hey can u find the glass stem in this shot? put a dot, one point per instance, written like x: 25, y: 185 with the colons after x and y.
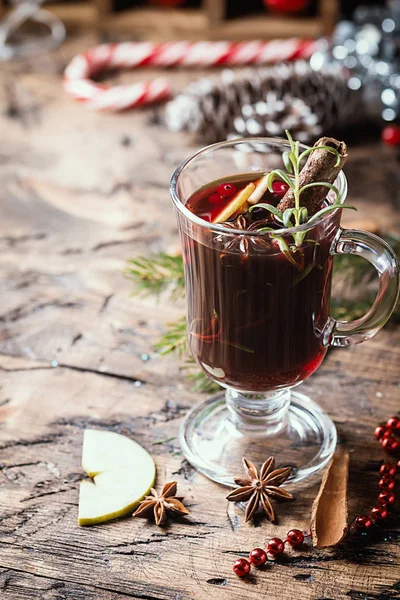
x: 263, y: 414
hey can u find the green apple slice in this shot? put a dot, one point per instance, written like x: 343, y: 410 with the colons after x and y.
x: 123, y: 473
x: 112, y: 494
x: 106, y: 450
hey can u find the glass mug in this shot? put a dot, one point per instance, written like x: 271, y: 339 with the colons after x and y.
x: 258, y: 318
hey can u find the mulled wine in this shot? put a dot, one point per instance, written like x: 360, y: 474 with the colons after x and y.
x: 258, y: 303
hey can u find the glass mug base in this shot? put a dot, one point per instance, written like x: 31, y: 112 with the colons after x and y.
x: 214, y: 438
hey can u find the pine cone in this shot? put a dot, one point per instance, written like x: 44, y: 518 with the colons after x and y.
x: 209, y: 107
x: 272, y: 116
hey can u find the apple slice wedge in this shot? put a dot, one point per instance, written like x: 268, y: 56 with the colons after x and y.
x: 235, y: 204
x: 123, y: 473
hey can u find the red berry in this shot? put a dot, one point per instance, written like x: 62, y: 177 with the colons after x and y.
x: 390, y: 444
x: 295, y: 537
x: 258, y: 557
x: 286, y: 6
x: 241, y: 567
x: 215, y: 199
x: 386, y: 484
x: 380, y: 432
x: 378, y: 513
x: 391, y: 135
x: 386, y: 498
x: 388, y: 470
x: 394, y: 424
x: 364, y: 522
x: 280, y: 188
x: 275, y: 546
x: 226, y: 190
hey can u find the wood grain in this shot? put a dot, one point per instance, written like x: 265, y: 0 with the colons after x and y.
x: 80, y: 193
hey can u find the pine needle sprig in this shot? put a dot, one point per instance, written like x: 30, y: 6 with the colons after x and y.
x: 157, y: 273
x: 174, y: 339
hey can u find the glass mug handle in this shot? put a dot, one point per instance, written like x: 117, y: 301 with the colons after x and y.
x: 383, y: 258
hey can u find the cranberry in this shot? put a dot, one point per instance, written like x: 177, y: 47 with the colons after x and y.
x: 226, y: 190
x: 260, y: 214
x: 206, y: 218
x: 275, y: 546
x: 241, y: 567
x: 295, y: 537
x: 386, y: 498
x: 280, y: 188
x: 390, y: 444
x: 391, y: 135
x: 380, y: 432
x: 364, y: 522
x: 394, y: 424
x: 386, y: 484
x: 258, y: 557
x: 378, y: 513
x: 215, y: 199
x: 388, y: 470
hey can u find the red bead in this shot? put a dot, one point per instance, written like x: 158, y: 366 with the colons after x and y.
x: 364, y: 522
x: 280, y: 188
x: 241, y: 567
x: 226, y: 190
x: 398, y: 465
x: 388, y: 470
x: 386, y: 498
x: 295, y: 537
x: 394, y: 424
x: 390, y: 444
x: 380, y: 432
x: 378, y: 513
x: 275, y: 546
x: 286, y: 6
x: 215, y: 199
x: 391, y: 135
x: 258, y: 557
x: 386, y: 484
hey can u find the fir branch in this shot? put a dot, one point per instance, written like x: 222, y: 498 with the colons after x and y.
x: 174, y: 339
x: 157, y: 273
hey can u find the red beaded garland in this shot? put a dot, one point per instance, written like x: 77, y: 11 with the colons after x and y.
x: 258, y: 557
x: 380, y: 432
x: 386, y: 484
x: 379, y: 512
x: 241, y: 567
x: 364, y: 522
x: 275, y: 546
x: 390, y: 444
x: 391, y: 135
x: 295, y: 537
x: 388, y: 470
x: 393, y: 423
x: 385, y: 498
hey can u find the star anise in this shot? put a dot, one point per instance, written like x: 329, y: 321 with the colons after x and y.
x: 243, y: 243
x: 257, y: 488
x: 158, y: 505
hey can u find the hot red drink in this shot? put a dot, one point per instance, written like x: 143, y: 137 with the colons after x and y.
x: 258, y: 304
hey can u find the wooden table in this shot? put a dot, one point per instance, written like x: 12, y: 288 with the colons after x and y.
x: 80, y: 193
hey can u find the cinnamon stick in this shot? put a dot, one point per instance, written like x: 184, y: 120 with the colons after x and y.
x: 329, y: 511
x: 320, y: 166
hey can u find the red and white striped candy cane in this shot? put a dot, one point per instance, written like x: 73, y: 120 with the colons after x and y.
x: 78, y: 75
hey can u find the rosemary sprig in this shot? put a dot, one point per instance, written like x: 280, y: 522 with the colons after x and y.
x: 157, y: 273
x: 298, y: 215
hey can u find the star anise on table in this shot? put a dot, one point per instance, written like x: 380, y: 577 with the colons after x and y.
x: 242, y: 244
x: 159, y: 505
x: 257, y: 488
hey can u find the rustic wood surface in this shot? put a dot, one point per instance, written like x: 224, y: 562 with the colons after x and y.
x: 80, y: 193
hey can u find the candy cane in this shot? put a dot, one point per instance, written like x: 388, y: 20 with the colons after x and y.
x: 78, y: 75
